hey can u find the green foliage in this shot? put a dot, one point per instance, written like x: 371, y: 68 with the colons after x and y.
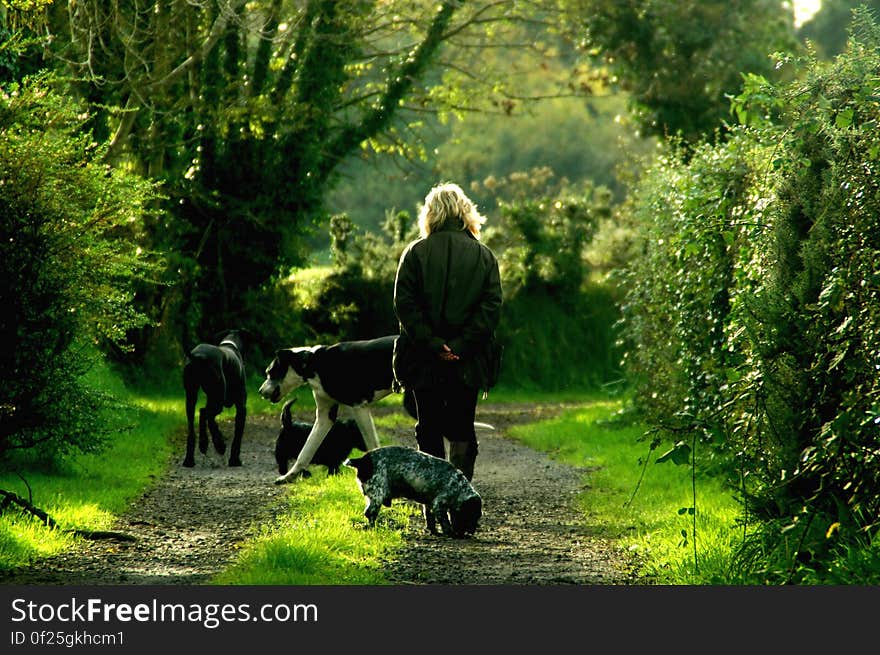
x: 753, y: 314
x: 68, y: 262
x: 677, y: 300
x: 557, y: 321
x: 543, y: 229
x: 680, y: 61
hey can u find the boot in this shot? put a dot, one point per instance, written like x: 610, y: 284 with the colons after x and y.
x: 462, y: 455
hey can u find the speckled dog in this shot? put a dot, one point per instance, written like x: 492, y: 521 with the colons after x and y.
x: 400, y: 472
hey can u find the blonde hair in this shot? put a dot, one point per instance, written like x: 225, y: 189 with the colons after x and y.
x: 448, y: 202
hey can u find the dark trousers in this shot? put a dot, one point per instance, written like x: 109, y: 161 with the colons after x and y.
x: 446, y: 411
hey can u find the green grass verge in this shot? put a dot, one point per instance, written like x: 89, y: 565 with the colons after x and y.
x: 644, y: 505
x: 88, y: 491
x: 322, y: 539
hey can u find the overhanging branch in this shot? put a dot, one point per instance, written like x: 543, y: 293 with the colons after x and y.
x: 399, y: 83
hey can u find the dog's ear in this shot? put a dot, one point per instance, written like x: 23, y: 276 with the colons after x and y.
x: 284, y: 357
x: 303, y: 361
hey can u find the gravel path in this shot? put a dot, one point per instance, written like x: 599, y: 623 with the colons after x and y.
x: 189, y: 524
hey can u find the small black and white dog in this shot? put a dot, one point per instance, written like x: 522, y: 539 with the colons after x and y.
x: 342, y: 438
x: 218, y: 370
x: 401, y: 472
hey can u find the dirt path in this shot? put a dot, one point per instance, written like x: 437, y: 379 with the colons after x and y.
x: 187, y: 527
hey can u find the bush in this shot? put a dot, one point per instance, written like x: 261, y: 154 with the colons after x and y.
x: 68, y: 258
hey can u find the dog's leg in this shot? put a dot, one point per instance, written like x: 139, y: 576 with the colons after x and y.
x: 192, y: 394
x: 372, y: 510
x: 235, y: 449
x: 364, y: 420
x: 323, y: 423
x: 203, y: 431
x: 440, y: 510
x: 212, y: 411
x: 430, y: 519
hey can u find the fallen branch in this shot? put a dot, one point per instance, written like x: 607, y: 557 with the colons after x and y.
x: 10, y: 498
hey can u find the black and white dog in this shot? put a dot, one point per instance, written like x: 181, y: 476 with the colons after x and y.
x: 342, y: 438
x: 400, y: 472
x: 218, y: 370
x: 352, y: 374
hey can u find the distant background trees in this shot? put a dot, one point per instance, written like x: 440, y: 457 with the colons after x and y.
x: 681, y: 61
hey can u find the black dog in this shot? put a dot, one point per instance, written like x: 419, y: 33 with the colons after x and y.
x: 343, y: 437
x: 400, y: 472
x: 218, y: 370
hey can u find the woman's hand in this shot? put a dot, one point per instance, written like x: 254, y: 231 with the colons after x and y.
x: 447, y: 355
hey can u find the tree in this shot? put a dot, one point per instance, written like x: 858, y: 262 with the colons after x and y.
x: 246, y: 111
x: 681, y: 61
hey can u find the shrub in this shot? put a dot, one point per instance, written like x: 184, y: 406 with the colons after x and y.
x: 68, y: 258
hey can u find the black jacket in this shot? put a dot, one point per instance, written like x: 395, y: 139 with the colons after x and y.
x: 447, y: 291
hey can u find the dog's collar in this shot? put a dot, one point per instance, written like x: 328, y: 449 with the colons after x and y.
x: 229, y: 343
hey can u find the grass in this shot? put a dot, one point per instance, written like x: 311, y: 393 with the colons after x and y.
x: 322, y: 540
x: 89, y: 491
x: 647, y: 511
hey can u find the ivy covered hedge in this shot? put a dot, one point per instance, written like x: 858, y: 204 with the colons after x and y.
x: 752, y: 314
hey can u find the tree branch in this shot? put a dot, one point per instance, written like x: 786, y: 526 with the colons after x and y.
x: 399, y: 83
x: 10, y: 498
x: 217, y: 31
x: 139, y: 94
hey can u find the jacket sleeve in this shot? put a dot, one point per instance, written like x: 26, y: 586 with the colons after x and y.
x: 409, y: 303
x: 480, y: 328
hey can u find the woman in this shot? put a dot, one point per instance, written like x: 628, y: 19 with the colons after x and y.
x: 447, y: 299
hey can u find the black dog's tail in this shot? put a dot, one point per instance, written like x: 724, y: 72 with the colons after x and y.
x: 286, y: 420
x: 363, y: 465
